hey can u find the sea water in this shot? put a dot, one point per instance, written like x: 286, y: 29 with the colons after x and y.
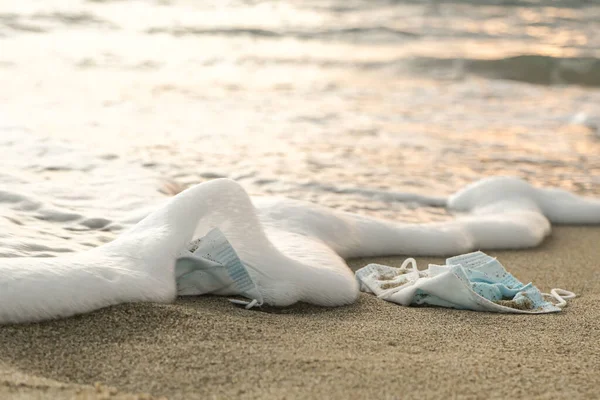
x: 375, y: 107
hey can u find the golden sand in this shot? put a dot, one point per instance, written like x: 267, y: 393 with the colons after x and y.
x: 201, y: 348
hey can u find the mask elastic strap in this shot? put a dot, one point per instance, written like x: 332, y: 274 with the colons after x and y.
x: 561, y: 296
x: 413, y: 262
x: 247, y: 305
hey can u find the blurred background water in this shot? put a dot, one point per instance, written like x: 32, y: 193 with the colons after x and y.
x: 344, y: 103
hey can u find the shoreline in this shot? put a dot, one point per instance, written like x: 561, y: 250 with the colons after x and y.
x: 202, y: 347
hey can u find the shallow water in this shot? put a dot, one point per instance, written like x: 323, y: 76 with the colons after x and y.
x: 103, y: 102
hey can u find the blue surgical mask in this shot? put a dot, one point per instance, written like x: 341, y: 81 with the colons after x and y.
x: 210, y: 265
x: 473, y: 281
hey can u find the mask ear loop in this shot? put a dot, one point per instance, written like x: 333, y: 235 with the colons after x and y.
x: 415, y: 270
x: 247, y: 305
x: 409, y: 261
x: 561, y: 296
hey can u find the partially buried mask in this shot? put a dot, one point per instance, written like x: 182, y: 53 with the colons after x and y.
x: 210, y: 265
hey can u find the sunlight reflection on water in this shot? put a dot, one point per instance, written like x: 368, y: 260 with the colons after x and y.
x: 310, y: 100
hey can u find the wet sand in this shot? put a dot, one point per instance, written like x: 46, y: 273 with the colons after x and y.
x: 206, y: 348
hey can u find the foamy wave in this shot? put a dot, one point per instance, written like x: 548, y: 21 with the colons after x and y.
x: 367, y: 33
x: 292, y: 250
x: 530, y: 68
x: 82, y: 197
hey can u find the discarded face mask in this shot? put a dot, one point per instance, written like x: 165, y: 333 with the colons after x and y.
x: 473, y: 281
x: 210, y: 265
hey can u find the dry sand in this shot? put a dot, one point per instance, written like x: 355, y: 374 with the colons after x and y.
x: 207, y: 348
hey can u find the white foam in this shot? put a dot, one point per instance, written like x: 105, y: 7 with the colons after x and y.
x: 294, y: 250
x: 509, y: 213
x: 383, y: 195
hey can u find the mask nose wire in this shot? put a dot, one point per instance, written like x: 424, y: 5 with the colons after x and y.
x: 561, y: 296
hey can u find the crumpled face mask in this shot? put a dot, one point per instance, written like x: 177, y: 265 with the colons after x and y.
x: 211, y: 265
x: 473, y: 281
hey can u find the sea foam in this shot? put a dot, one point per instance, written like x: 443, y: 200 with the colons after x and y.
x: 294, y: 250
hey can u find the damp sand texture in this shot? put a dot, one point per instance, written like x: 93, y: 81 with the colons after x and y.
x: 205, y: 347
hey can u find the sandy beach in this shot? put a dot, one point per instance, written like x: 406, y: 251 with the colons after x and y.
x: 206, y: 348
x: 369, y: 107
